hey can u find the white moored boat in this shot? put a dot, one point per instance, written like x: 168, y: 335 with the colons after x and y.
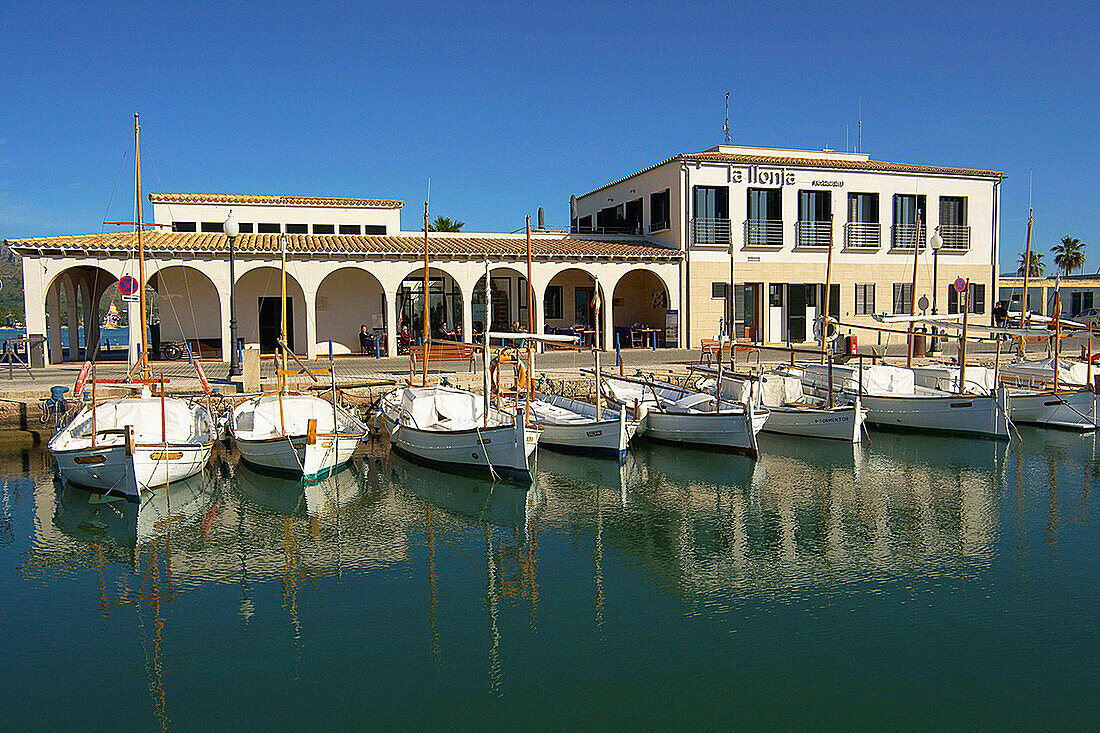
x: 793, y: 412
x: 673, y: 414
x: 893, y: 399
x: 129, y: 444
x: 571, y: 426
x: 295, y: 433
x: 450, y: 428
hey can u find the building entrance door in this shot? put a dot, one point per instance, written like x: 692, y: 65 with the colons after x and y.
x: 796, y: 312
x: 270, y: 326
x: 747, y: 322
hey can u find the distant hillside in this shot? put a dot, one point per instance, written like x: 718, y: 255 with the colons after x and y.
x: 11, y: 292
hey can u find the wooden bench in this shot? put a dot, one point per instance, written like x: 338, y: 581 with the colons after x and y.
x: 443, y: 351
x: 710, y: 349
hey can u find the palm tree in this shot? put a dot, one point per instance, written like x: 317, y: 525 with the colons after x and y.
x: 1069, y: 255
x: 1037, y: 266
x: 445, y: 224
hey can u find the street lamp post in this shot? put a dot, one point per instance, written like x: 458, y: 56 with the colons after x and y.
x: 935, y: 244
x: 232, y: 229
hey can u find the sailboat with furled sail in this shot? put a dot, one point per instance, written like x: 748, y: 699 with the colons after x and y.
x: 127, y: 445
x: 295, y: 433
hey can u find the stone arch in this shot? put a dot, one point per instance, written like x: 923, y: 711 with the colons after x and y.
x: 254, y: 289
x: 640, y: 301
x: 74, y: 296
x: 511, y: 299
x: 445, y: 303
x: 188, y: 307
x: 347, y: 298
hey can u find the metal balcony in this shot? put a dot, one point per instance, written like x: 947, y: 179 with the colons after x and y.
x: 813, y: 233
x: 763, y: 233
x: 659, y: 226
x: 906, y: 235
x: 955, y: 237
x: 711, y: 231
x: 862, y: 235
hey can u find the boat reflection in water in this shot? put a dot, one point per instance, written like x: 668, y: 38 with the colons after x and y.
x: 292, y: 496
x: 511, y: 559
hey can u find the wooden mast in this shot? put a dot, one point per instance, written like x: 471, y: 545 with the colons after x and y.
x: 427, y: 327
x: 530, y: 321
x: 144, y: 358
x: 825, y: 304
x: 1058, y: 335
x: 1025, y: 316
x: 913, y: 291
x: 281, y: 381
x: 965, y: 300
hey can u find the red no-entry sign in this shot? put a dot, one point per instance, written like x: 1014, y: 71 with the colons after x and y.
x: 128, y: 285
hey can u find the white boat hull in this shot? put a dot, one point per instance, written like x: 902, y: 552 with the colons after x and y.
x: 984, y: 415
x: 114, y: 469
x: 570, y: 426
x: 844, y: 422
x: 293, y: 454
x: 505, y: 450
x: 1070, y: 410
x: 723, y: 430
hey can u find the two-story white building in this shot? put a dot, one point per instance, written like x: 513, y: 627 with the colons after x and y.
x: 777, y: 214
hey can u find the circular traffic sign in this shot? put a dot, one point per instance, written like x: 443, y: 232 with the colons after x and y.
x: 960, y: 285
x: 128, y: 285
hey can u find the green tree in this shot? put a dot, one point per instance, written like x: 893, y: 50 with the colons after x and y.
x: 1069, y: 255
x: 446, y: 224
x: 1037, y: 266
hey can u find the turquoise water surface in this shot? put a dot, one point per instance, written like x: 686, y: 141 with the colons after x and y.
x: 914, y: 582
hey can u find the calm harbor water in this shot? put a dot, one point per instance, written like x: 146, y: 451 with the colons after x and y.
x: 914, y: 582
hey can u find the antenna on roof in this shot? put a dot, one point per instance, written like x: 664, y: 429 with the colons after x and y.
x: 428, y: 195
x: 726, y: 127
x: 859, y: 134
x: 847, y: 147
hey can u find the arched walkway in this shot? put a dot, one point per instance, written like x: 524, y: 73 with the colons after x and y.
x: 568, y: 305
x: 186, y: 307
x: 510, y: 295
x: 638, y: 309
x: 444, y: 305
x: 73, y: 304
x: 259, y: 310
x: 347, y: 299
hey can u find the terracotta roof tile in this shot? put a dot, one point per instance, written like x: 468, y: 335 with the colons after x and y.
x: 314, y: 244
x: 223, y: 198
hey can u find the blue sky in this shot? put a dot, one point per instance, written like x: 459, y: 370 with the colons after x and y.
x: 513, y: 106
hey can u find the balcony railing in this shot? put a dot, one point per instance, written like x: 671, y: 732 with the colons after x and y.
x: 862, y: 235
x: 906, y: 235
x: 763, y: 233
x: 635, y: 230
x: 659, y: 226
x: 711, y: 231
x: 955, y: 236
x: 813, y: 233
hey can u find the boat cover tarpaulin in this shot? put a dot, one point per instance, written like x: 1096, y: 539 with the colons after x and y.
x: 181, y: 419
x: 877, y: 379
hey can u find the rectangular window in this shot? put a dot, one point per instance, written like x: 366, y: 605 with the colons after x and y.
x: 374, y: 229
x: 764, y: 225
x: 584, y: 224
x: 607, y: 220
x: 246, y: 227
x: 909, y: 211
x: 324, y: 229
x: 718, y: 291
x: 552, y: 304
x: 267, y: 228
x: 351, y: 229
x: 953, y: 211
x: 213, y: 226
x: 183, y: 226
x: 865, y: 299
x: 977, y: 298
x: 633, y: 215
x: 660, y: 210
x: 903, y: 296
x: 712, y: 214
x: 863, y: 208
x: 1086, y: 300
x: 815, y: 218
x: 775, y: 295
x: 834, y: 299
x: 297, y: 229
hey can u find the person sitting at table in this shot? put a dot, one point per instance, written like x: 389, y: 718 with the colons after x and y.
x: 366, y: 341
x: 404, y: 340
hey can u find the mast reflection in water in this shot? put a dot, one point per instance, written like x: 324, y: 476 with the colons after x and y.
x: 679, y: 586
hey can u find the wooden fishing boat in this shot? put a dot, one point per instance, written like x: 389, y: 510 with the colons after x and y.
x: 673, y: 414
x: 573, y: 426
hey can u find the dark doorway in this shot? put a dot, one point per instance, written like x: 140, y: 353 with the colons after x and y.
x: 796, y: 312
x: 270, y: 326
x: 584, y: 308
